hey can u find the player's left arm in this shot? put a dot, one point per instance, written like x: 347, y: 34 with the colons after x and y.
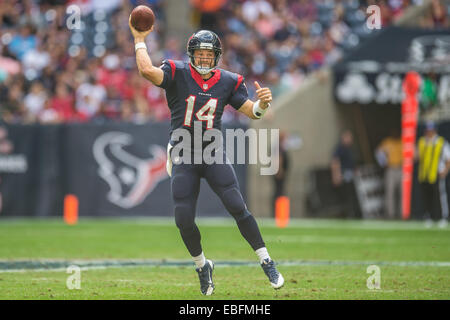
x: 255, y: 110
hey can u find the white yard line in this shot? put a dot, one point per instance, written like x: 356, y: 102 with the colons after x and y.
x: 228, y: 221
x: 61, y: 265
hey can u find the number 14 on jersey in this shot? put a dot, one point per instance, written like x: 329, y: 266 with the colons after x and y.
x: 205, y: 113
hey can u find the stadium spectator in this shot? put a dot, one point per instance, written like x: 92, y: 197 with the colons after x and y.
x: 156, y: 103
x: 332, y: 53
x: 89, y: 97
x: 127, y: 111
x: 111, y: 75
x: 48, y: 115
x: 101, y: 116
x: 63, y: 103
x: 304, y: 9
x: 23, y: 42
x: 34, y: 101
x: 390, y: 156
x: 207, y: 11
x: 35, y: 60
x: 12, y: 107
x: 8, y: 65
x: 253, y: 9
x: 172, y: 49
x: 48, y: 78
x: 113, y: 102
x: 266, y: 26
x: 132, y: 113
x: 343, y: 169
x: 339, y: 30
x: 439, y: 14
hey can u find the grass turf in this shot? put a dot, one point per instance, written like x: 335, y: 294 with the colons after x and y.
x: 318, y: 240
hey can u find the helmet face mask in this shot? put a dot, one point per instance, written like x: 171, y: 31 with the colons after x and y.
x: 207, y: 40
x: 204, y: 59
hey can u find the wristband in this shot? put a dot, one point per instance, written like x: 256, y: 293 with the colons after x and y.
x: 258, y: 112
x: 140, y: 45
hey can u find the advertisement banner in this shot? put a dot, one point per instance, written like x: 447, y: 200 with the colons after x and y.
x: 374, y: 72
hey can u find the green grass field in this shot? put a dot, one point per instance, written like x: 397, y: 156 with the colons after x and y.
x: 146, y: 259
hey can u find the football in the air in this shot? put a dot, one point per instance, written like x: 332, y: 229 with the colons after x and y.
x: 142, y: 18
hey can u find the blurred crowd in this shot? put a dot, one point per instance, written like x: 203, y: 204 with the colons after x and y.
x: 437, y: 16
x: 279, y: 42
x: 57, y: 68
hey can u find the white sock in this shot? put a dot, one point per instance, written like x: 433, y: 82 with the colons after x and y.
x: 262, y: 254
x: 199, y: 260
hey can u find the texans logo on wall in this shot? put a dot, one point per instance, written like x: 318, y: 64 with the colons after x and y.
x: 10, y: 163
x: 12, y: 166
x: 130, y: 178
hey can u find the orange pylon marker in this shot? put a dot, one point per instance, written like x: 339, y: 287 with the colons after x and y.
x: 282, y: 208
x: 70, y: 209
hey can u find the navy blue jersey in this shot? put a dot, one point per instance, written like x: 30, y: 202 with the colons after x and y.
x: 190, y: 98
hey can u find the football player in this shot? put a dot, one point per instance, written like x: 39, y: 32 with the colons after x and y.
x: 199, y: 91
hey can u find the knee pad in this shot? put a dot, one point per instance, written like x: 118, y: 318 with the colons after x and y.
x: 184, y: 217
x: 180, y: 187
x: 234, y: 203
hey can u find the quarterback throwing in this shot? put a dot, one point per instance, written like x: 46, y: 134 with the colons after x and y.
x: 197, y: 91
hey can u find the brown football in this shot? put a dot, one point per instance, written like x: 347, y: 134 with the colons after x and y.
x: 142, y: 18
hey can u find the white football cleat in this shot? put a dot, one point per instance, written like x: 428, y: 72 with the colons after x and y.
x: 205, y: 277
x: 275, y: 278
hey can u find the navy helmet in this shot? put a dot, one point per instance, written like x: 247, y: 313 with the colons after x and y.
x: 204, y: 39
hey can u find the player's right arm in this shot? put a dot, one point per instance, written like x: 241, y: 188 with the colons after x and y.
x: 154, y: 74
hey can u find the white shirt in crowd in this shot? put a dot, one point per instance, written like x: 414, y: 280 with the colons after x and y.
x: 48, y: 116
x: 252, y: 9
x: 89, y: 97
x: 34, y: 102
x: 35, y: 60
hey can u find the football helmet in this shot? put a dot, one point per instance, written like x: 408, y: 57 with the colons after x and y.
x: 204, y: 39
